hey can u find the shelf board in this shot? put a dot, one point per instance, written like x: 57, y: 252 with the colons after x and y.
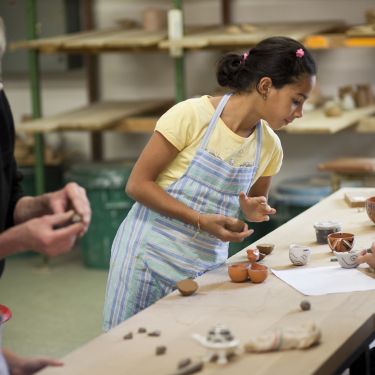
x: 95, y: 41
x: 96, y: 117
x: 366, y: 125
x: 247, y: 35
x: 316, y: 122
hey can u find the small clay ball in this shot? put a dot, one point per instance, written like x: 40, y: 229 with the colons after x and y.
x: 187, y: 287
x: 142, y: 330
x: 305, y: 305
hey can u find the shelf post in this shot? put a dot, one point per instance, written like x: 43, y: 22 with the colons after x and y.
x: 33, y: 61
x: 179, y: 64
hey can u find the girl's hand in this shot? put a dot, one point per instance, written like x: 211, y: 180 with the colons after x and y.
x: 225, y: 228
x: 255, y: 209
x: 366, y: 257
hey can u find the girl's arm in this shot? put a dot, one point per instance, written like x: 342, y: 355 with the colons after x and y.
x: 141, y: 186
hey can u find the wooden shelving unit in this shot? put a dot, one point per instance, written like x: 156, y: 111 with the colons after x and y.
x: 131, y: 117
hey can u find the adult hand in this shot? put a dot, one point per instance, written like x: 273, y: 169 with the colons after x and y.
x: 366, y: 257
x: 225, y: 228
x: 72, y: 196
x: 48, y: 235
x: 27, y: 366
x: 255, y: 209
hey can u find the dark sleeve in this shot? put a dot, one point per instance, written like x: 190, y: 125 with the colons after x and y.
x: 10, y: 173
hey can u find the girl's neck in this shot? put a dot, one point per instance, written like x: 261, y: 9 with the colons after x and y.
x: 239, y: 114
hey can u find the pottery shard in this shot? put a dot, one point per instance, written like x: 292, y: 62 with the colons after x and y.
x: 128, y: 336
x: 192, y: 368
x: 187, y: 287
x: 142, y: 330
x: 156, y: 333
x: 184, y: 362
x: 160, y: 350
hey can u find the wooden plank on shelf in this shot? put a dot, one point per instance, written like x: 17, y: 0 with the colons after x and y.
x: 96, y: 117
x: 317, y: 122
x: 119, y: 39
x: 248, y: 35
x: 139, y: 124
x: 116, y: 38
x: 357, y: 197
x: 366, y: 125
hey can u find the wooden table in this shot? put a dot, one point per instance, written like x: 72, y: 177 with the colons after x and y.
x: 347, y: 320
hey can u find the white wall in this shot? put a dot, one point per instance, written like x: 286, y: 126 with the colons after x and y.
x: 150, y: 75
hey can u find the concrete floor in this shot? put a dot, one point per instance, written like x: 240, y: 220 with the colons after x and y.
x: 56, y: 308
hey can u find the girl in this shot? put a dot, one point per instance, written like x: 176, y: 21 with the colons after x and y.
x: 209, y: 159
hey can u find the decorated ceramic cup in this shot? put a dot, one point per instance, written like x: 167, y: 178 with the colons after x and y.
x: 347, y: 259
x: 299, y: 255
x: 340, y: 241
x: 370, y: 208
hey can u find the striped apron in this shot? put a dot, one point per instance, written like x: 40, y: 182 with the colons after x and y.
x: 151, y: 252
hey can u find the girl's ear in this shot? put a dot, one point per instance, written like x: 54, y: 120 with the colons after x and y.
x: 263, y: 87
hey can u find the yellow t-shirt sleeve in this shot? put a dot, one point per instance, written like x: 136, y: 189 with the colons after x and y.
x: 177, y: 125
x: 276, y: 159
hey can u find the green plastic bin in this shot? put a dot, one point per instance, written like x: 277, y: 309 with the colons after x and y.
x: 105, y: 188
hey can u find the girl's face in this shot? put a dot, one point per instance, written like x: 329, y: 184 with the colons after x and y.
x: 283, y: 105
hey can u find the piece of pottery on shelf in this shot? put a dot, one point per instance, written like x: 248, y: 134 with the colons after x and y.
x: 347, y: 102
x: 347, y: 259
x: 324, y: 228
x: 265, y: 248
x: 154, y: 19
x: 370, y: 208
x: 299, y: 255
x: 340, y: 241
x: 187, y: 287
x: 363, y: 95
x: 252, y: 255
x: 220, y: 344
x: 257, y: 273
x: 238, y: 272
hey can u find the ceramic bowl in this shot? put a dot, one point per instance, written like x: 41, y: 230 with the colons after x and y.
x: 324, y: 228
x: 238, y: 272
x: 265, y: 248
x: 252, y: 255
x: 340, y: 241
x: 299, y: 255
x: 257, y: 273
x: 370, y: 208
x: 347, y: 259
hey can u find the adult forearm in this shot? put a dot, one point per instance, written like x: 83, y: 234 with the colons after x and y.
x: 31, y: 207
x: 153, y: 196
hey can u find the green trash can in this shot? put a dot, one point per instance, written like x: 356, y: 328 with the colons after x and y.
x: 105, y: 188
x: 293, y: 196
x: 53, y: 179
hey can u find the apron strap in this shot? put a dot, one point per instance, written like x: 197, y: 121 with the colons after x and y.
x: 259, y: 135
x: 215, y: 117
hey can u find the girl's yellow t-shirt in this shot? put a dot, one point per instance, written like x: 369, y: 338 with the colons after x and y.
x: 185, y: 124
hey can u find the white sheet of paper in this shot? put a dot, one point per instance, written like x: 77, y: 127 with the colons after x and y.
x: 325, y: 280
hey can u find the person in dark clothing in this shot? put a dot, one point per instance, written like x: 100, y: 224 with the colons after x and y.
x: 41, y: 223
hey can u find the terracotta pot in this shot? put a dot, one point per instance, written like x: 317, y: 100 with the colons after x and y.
x: 340, y: 241
x: 265, y: 248
x: 370, y: 208
x: 238, y: 272
x: 257, y: 273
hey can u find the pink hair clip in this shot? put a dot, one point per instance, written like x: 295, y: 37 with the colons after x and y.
x: 244, y: 57
x: 300, y: 53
